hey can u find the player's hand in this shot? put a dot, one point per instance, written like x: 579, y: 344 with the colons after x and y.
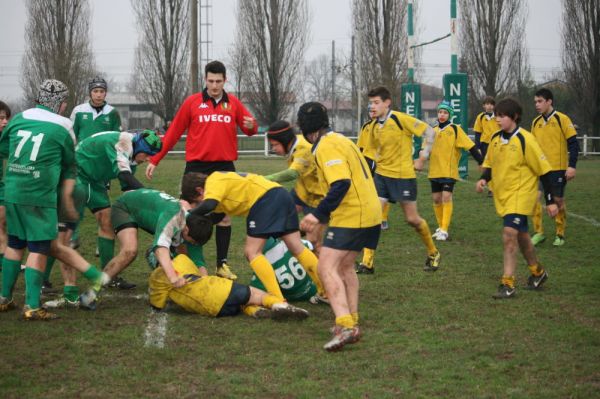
x: 178, y: 281
x: 419, y: 163
x: 308, y: 223
x: 150, y: 170
x: 552, y: 210
x: 480, y: 185
x: 248, y: 122
x: 570, y: 173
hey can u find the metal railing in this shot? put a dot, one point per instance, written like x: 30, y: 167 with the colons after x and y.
x: 259, y: 145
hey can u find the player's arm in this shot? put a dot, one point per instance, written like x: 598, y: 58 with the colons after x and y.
x: 245, y: 120
x: 164, y: 259
x: 573, y: 147
x: 428, y: 137
x: 283, y: 176
x: 124, y: 149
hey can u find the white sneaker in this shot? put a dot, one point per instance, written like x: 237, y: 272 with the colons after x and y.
x: 61, y: 302
x: 441, y: 235
x: 437, y: 231
x: 317, y: 299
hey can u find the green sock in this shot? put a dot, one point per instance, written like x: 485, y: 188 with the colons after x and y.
x: 49, y: 264
x: 71, y: 292
x: 106, y: 247
x: 33, y: 287
x: 92, y: 273
x: 75, y: 235
x: 10, y: 274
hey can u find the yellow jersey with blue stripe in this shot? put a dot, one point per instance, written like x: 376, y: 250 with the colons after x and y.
x: 446, y: 151
x: 365, y: 140
x: 552, y: 135
x: 236, y: 192
x: 516, y: 163
x: 487, y: 126
x: 338, y: 158
x: 302, y: 161
x: 204, y: 295
x: 393, y: 139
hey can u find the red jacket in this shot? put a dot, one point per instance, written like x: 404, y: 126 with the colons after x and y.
x: 212, y: 128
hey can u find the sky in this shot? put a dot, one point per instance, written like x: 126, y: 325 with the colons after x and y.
x: 114, y: 37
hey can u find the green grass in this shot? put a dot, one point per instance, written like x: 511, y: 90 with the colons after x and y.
x: 425, y: 335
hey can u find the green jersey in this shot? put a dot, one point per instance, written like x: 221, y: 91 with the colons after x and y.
x: 40, y: 146
x: 87, y: 120
x: 102, y: 156
x: 295, y: 283
x: 155, y: 212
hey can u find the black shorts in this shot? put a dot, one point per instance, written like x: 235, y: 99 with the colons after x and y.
x: 396, y: 190
x: 238, y: 296
x: 517, y: 222
x: 208, y: 167
x: 442, y: 184
x: 273, y: 215
x: 558, y: 181
x: 352, y: 239
x: 305, y: 208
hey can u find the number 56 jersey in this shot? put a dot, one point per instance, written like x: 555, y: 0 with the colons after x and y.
x: 40, y: 146
x: 295, y: 283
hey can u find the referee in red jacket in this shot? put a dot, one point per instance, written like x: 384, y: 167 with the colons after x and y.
x: 211, y: 119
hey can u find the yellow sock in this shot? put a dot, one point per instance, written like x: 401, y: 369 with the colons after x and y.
x: 538, y: 227
x: 536, y: 269
x: 439, y: 213
x: 368, y: 257
x: 269, y: 300
x: 385, y: 212
x: 265, y: 273
x: 249, y: 310
x: 509, y: 280
x: 345, y: 321
x: 448, y: 207
x: 309, y: 261
x: 354, y: 317
x: 425, y: 234
x: 561, y: 222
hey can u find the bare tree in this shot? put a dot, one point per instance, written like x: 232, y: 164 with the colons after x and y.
x: 58, y: 47
x: 581, y: 55
x: 274, y: 34
x: 381, y: 39
x: 492, y: 45
x: 161, y: 72
x: 238, y: 65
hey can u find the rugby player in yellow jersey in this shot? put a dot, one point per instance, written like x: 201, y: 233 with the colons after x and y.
x: 350, y: 209
x: 557, y: 136
x: 395, y: 178
x: 269, y: 210
x: 443, y: 166
x: 307, y: 192
x: 485, y: 126
x: 215, y: 296
x: 512, y: 166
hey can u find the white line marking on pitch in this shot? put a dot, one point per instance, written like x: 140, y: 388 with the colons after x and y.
x: 156, y: 330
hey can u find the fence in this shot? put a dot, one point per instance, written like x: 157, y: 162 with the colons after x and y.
x: 259, y: 145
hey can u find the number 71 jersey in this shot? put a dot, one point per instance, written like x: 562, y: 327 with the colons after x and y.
x: 40, y: 146
x: 295, y: 283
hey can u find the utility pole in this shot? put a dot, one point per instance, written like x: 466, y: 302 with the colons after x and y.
x: 411, y: 42
x: 194, y: 45
x: 333, y: 84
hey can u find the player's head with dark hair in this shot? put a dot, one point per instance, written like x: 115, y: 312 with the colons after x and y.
x: 4, y: 115
x: 200, y: 228
x: 312, y: 118
x: 488, y: 100
x: 381, y: 92
x: 190, y: 183
x: 546, y: 94
x: 283, y: 133
x: 510, y: 108
x: 215, y: 67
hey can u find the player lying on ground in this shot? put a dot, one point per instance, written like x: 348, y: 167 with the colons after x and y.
x: 161, y: 215
x: 215, y: 296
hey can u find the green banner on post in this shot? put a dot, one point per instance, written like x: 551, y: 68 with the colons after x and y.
x: 456, y: 89
x: 411, y: 105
